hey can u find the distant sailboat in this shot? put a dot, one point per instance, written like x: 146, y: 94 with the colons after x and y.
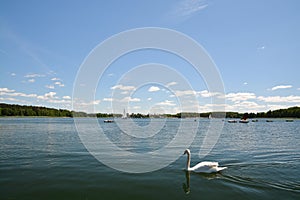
x: 124, y: 116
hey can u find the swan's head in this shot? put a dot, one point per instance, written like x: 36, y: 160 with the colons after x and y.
x: 187, y: 151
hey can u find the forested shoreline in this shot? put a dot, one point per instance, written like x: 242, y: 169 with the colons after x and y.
x: 10, y: 110
x: 27, y: 111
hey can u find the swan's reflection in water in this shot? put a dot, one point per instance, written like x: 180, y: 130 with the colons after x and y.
x: 186, y: 186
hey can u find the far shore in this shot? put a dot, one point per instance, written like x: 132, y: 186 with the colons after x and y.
x: 263, y: 118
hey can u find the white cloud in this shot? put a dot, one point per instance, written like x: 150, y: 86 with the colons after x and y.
x: 6, y: 90
x: 60, y: 84
x: 125, y: 92
x: 4, y: 99
x: 55, y: 79
x: 66, y: 97
x: 185, y: 92
x: 171, y: 83
x: 51, y: 72
x: 34, y: 75
x: 136, y: 107
x: 13, y: 74
x: 96, y: 102
x: 281, y: 87
x: 276, y: 107
x: 240, y: 96
x: 125, y: 99
x: 247, y: 106
x: 31, y: 80
x: 50, y: 86
x: 81, y: 104
x: 280, y: 99
x: 129, y: 99
x: 188, y: 7
x: 153, y: 89
x: 122, y: 87
x: 47, y: 96
x: 166, y: 103
x: 205, y: 93
x: 27, y: 95
x: 59, y: 101
x: 50, y: 94
x: 108, y: 99
x: 149, y: 99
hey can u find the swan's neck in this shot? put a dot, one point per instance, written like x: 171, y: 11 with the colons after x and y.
x: 188, y: 162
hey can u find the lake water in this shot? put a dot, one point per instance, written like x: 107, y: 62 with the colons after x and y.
x: 44, y: 158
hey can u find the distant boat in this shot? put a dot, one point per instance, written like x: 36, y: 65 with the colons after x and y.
x: 245, y: 121
x: 268, y: 120
x: 209, y: 117
x: 232, y: 121
x: 108, y: 121
x: 289, y: 120
x: 254, y: 120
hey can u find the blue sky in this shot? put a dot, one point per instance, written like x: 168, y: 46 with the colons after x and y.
x: 255, y: 45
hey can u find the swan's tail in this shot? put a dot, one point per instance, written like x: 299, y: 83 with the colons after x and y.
x: 220, y: 168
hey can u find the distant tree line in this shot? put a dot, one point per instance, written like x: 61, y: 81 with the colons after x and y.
x: 8, y: 110
x: 138, y: 115
x: 292, y: 112
x: 20, y: 110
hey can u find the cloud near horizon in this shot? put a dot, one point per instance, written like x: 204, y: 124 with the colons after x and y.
x: 153, y: 89
x: 280, y: 99
x: 166, y: 103
x: 238, y: 102
x: 122, y: 87
x: 281, y: 87
x: 30, y: 75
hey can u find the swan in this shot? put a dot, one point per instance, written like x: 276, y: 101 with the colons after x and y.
x: 202, y: 167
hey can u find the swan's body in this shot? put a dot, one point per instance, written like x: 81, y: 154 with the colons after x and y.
x: 202, y: 167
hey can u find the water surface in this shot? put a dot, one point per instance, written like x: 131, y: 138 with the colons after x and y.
x: 43, y: 158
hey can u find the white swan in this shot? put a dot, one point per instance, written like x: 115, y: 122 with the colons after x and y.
x: 202, y: 167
